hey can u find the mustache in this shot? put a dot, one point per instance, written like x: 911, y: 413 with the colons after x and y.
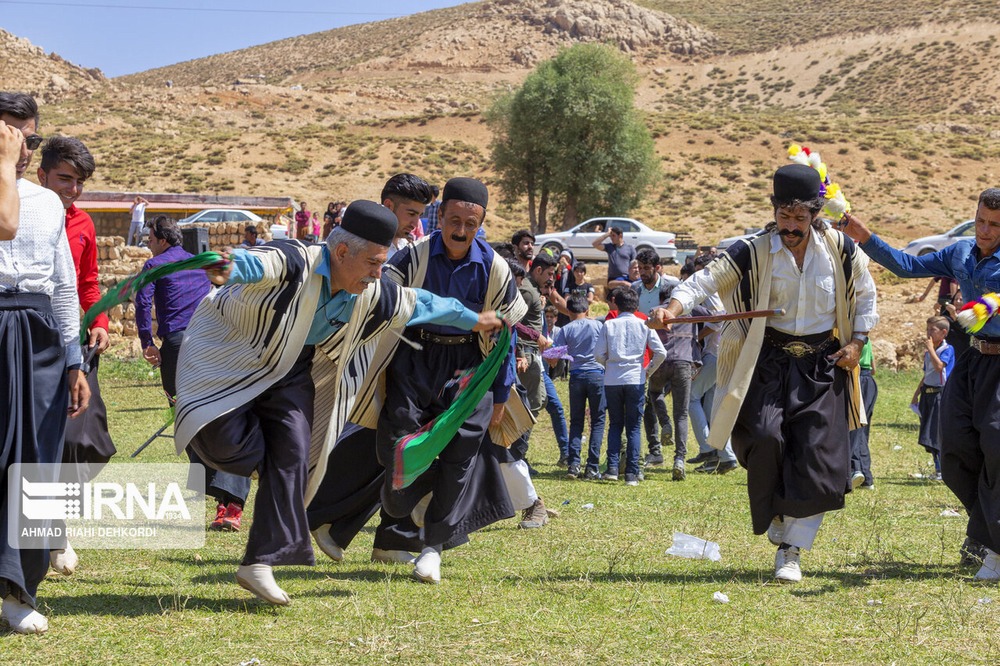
x: 791, y: 232
x: 368, y: 280
x: 459, y: 239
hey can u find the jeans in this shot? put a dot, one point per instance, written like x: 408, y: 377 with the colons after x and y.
x: 700, y: 406
x: 625, y: 405
x: 861, y: 460
x: 586, y: 388
x: 553, y: 406
x: 677, y: 376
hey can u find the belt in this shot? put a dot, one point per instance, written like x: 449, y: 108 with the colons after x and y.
x: 866, y: 371
x: 447, y: 340
x: 19, y: 300
x: 932, y: 389
x: 797, y: 346
x: 986, y: 347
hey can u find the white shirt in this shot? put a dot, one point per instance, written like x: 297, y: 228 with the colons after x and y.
x: 808, y: 297
x: 620, y: 347
x: 139, y: 212
x: 397, y: 244
x: 38, y: 261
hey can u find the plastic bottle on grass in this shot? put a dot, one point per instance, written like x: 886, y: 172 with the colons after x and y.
x: 694, y: 548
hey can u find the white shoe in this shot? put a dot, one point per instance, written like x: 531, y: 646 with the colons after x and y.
x: 776, y: 531
x: 22, y: 618
x: 420, y: 510
x: 857, y: 479
x: 259, y: 579
x: 991, y: 567
x: 428, y: 566
x: 326, y: 543
x: 786, y: 565
x: 393, y: 556
x: 64, y: 560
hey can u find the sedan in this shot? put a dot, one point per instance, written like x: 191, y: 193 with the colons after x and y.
x: 580, y: 239
x: 929, y: 244
x: 222, y: 215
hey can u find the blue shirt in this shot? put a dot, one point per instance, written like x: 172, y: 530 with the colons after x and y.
x: 335, y: 310
x: 946, y: 353
x: 175, y: 296
x: 959, y: 261
x: 580, y: 337
x: 464, y: 280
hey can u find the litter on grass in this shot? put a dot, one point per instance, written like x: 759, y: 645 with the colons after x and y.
x: 694, y: 548
x: 950, y: 513
x: 720, y: 598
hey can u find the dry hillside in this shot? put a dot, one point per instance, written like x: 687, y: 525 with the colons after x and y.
x: 24, y: 66
x: 898, y: 97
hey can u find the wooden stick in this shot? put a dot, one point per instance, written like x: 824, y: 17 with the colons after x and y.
x: 711, y: 319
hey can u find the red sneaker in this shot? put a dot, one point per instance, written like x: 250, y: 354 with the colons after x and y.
x: 233, y: 517
x: 220, y: 515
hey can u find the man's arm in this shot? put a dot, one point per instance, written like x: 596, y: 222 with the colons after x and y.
x: 10, y: 203
x: 445, y: 311
x: 901, y: 264
x: 143, y: 315
x: 599, y: 242
x: 90, y: 291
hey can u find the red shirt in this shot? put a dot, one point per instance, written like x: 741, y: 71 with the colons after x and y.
x: 83, y: 244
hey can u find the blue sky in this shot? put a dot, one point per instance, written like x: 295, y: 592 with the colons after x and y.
x: 127, y: 36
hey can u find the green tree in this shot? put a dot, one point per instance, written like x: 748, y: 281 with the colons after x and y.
x: 571, y: 138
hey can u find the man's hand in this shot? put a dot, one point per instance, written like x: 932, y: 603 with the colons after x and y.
x: 855, y: 229
x: 498, y: 413
x: 522, y: 364
x: 929, y: 344
x: 152, y: 356
x: 488, y: 321
x: 847, y: 357
x: 79, y: 393
x: 10, y: 145
x: 220, y: 276
x: 659, y: 318
x: 99, y: 338
x: 544, y: 343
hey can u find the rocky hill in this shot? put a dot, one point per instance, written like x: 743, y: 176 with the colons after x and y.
x: 26, y: 67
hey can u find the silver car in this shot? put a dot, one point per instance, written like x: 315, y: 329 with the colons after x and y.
x: 929, y: 244
x: 580, y: 239
x: 222, y: 215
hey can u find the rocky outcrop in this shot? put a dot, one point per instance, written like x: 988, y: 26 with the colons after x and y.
x: 47, y: 77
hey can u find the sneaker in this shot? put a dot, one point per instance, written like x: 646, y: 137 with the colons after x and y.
x: 776, y: 530
x: 679, y: 474
x: 703, y: 458
x: 653, y: 459
x: 937, y: 477
x: 563, y: 461
x: 972, y: 553
x: 709, y: 467
x: 610, y: 475
x: 534, y: 516
x: 786, y: 564
x: 233, y: 518
x: 867, y: 486
x: 857, y: 479
x: 427, y: 568
x: 631, y: 479
x: 991, y: 567
x: 726, y: 467
x: 640, y: 475
x: 393, y: 556
x: 592, y: 475
x: 220, y: 515
x: 573, y: 472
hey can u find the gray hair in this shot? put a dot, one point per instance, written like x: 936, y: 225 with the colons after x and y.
x: 355, y: 244
x: 990, y: 198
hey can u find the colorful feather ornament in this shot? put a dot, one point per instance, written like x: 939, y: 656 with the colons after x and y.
x: 974, y: 314
x: 836, y: 202
x: 415, y: 452
x: 126, y: 290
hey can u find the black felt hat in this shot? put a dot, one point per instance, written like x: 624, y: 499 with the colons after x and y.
x: 796, y: 182
x: 469, y: 190
x: 371, y: 221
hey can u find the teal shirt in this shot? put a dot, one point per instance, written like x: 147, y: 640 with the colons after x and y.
x: 335, y: 310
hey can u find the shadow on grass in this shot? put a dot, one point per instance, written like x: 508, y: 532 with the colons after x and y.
x: 141, y: 409
x: 829, y: 580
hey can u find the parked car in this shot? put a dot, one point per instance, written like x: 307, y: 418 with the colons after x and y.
x: 937, y: 242
x: 580, y: 239
x: 222, y: 215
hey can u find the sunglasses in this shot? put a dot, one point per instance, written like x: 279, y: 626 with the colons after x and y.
x: 33, y: 141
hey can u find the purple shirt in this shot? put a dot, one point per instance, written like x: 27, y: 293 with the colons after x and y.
x: 175, y: 297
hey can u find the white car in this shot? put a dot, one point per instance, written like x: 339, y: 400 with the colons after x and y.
x: 222, y: 215
x: 929, y: 244
x: 580, y: 239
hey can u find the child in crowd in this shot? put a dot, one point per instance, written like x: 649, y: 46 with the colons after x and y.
x: 861, y: 461
x: 939, y: 360
x: 620, y: 348
x: 586, y: 385
x: 551, y: 327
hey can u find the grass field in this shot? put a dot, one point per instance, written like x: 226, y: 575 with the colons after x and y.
x: 882, y: 585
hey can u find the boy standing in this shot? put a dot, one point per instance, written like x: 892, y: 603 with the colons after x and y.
x: 939, y: 361
x: 620, y: 348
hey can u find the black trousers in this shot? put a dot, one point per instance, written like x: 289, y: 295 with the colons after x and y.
x: 270, y: 435
x: 87, y: 438
x: 792, y: 435
x: 467, y: 486
x: 970, y: 446
x: 32, y: 423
